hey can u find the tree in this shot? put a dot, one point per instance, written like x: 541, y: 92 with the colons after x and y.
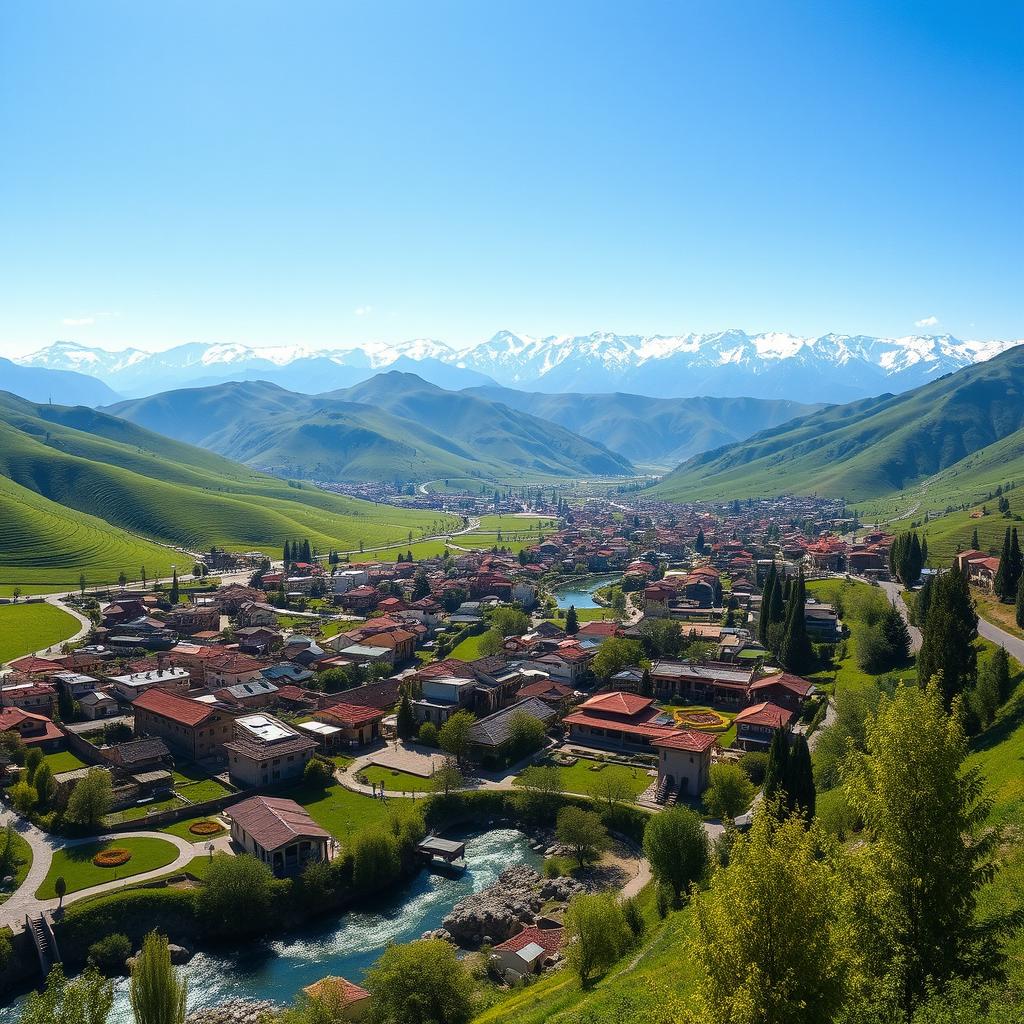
x: 795, y: 652
x: 698, y: 544
x: 776, y: 771
x: 619, y: 602
x: 405, y: 724
x: 44, y: 785
x: 799, y: 779
x: 287, y: 554
x: 929, y: 853
x: 614, y: 655
x: 236, y: 895
x: 646, y: 684
x: 318, y: 773
x: 540, y: 792
x: 157, y: 993
x: 33, y: 759
x: 13, y: 746
x: 767, y: 595
x: 897, y: 636
x: 572, y: 621
x: 769, y: 940
x: 85, y: 1000
x: 975, y: 543
x: 1003, y: 581
x: 122, y: 579
x: 81, y: 584
x: 676, y: 844
x: 526, y: 734
x: 947, y: 637
x: 583, y: 831
x: 510, y: 621
x: 375, y: 858
x: 8, y: 853
x: 420, y: 586
x: 91, y: 799
x: 453, y: 736
x: 596, y: 934
x: 1019, y: 611
x: 427, y: 734
x: 906, y: 559
x: 174, y: 593
x: 420, y: 982
x: 729, y: 792
x: 490, y: 643
x: 24, y: 798
x: 448, y: 777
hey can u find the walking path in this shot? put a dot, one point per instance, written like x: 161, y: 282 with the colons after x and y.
x: 23, y: 900
x: 894, y: 591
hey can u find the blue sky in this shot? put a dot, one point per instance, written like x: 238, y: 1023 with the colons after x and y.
x: 328, y: 173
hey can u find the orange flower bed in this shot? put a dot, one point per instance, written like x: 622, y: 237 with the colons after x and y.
x: 205, y: 828
x: 710, y: 720
x: 112, y: 858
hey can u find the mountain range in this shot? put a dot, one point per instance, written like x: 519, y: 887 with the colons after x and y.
x: 394, y: 426
x: 829, y: 368
x: 956, y: 430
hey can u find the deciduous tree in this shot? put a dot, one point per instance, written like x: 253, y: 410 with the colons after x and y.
x: 729, y: 791
x: 582, y: 831
x: 91, y: 799
x: 676, y: 844
x: 157, y: 992
x: 597, y: 934
x: 420, y: 983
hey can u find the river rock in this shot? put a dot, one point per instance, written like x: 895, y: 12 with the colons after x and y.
x: 498, y: 912
x: 179, y: 954
x: 234, y: 1011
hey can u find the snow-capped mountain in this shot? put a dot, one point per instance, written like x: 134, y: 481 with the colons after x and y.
x: 829, y: 368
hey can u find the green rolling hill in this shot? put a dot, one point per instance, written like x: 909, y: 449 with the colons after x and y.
x: 653, y: 432
x: 83, y: 491
x: 393, y: 427
x: 876, y: 447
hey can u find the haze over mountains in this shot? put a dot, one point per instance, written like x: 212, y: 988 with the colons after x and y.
x: 730, y: 363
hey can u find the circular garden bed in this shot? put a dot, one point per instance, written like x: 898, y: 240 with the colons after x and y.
x: 112, y: 858
x: 205, y: 828
x: 706, y: 719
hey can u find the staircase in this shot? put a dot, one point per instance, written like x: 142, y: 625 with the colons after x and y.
x: 671, y: 796
x: 44, y: 941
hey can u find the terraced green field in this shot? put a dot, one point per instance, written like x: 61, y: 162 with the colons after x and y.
x: 74, y: 484
x: 25, y: 628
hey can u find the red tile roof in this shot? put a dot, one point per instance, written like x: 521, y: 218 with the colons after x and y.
x: 351, y: 714
x: 339, y: 991
x: 549, y: 939
x: 634, y: 728
x: 767, y: 714
x: 31, y: 664
x: 687, y: 739
x: 617, y: 703
x: 11, y: 718
x: 796, y: 685
x: 166, y: 704
x: 274, y: 822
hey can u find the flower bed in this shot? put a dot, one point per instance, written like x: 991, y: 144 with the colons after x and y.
x: 112, y: 858
x: 205, y: 828
x: 707, y: 720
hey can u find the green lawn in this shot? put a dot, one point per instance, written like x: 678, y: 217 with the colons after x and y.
x: 580, y: 779
x: 63, y: 761
x: 339, y: 810
x: 469, y: 649
x: 181, y: 830
x: 999, y: 614
x: 23, y: 856
x: 78, y: 870
x: 25, y: 628
x: 584, y: 615
x: 399, y: 782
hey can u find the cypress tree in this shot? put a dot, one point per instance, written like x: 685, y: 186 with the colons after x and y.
x: 1020, y: 603
x: 406, y: 724
x: 1016, y: 564
x: 916, y: 560
x: 307, y: 551
x: 795, y: 653
x: 974, y: 540
x: 924, y: 599
x: 1004, y: 575
x: 646, y: 684
x: 777, y: 608
x: 174, y: 587
x: 776, y: 771
x: 896, y: 635
x: 947, y: 637
x: 287, y: 553
x: 572, y: 621
x: 799, y: 782
x: 766, y: 603
x: 924, y: 551
x: 698, y: 544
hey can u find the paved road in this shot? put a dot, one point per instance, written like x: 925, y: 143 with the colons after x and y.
x: 895, y: 593
x: 23, y: 900
x: 1014, y: 645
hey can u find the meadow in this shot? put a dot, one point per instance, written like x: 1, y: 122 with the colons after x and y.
x: 25, y: 628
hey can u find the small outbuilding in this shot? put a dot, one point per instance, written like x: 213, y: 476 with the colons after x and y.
x: 278, y: 832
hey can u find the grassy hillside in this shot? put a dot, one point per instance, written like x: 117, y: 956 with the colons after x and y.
x: 653, y: 432
x: 73, y: 481
x: 875, y: 447
x: 393, y: 427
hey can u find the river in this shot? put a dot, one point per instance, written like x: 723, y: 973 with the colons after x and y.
x: 345, y: 946
x: 580, y: 594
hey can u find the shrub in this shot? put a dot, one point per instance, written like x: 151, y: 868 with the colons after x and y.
x: 428, y: 734
x: 754, y: 764
x: 110, y: 953
x: 375, y: 859
x: 237, y: 896
x: 318, y: 773
x: 634, y: 917
x: 112, y: 858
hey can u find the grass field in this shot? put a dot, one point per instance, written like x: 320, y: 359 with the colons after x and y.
x: 581, y: 779
x: 1002, y: 615
x: 339, y: 810
x: 63, y: 761
x: 181, y: 830
x: 23, y: 856
x: 76, y: 866
x: 469, y: 649
x: 25, y: 628
x: 399, y: 782
x: 585, y: 615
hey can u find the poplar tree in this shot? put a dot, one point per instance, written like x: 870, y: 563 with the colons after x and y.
x: 174, y: 587
x: 764, y: 620
x: 1020, y: 603
x: 572, y: 622
x: 795, y: 653
x: 1003, y: 583
x: 406, y: 724
x: 287, y: 553
x: 157, y: 993
x: 974, y: 540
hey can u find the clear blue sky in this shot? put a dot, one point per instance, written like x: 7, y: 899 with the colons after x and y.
x: 325, y: 173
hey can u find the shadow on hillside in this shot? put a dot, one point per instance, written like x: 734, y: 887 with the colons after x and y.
x: 1011, y: 719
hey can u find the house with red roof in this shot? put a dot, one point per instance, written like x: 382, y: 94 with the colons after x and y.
x: 196, y: 728
x: 278, y: 832
x: 617, y: 719
x: 684, y: 762
x: 359, y: 723
x: 784, y: 690
x: 351, y: 1001
x: 34, y: 730
x: 528, y: 952
x: 758, y: 723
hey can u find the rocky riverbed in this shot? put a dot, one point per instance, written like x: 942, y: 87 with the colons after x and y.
x: 234, y: 1011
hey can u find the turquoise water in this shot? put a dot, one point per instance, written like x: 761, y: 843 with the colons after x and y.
x: 346, y: 946
x: 581, y: 594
